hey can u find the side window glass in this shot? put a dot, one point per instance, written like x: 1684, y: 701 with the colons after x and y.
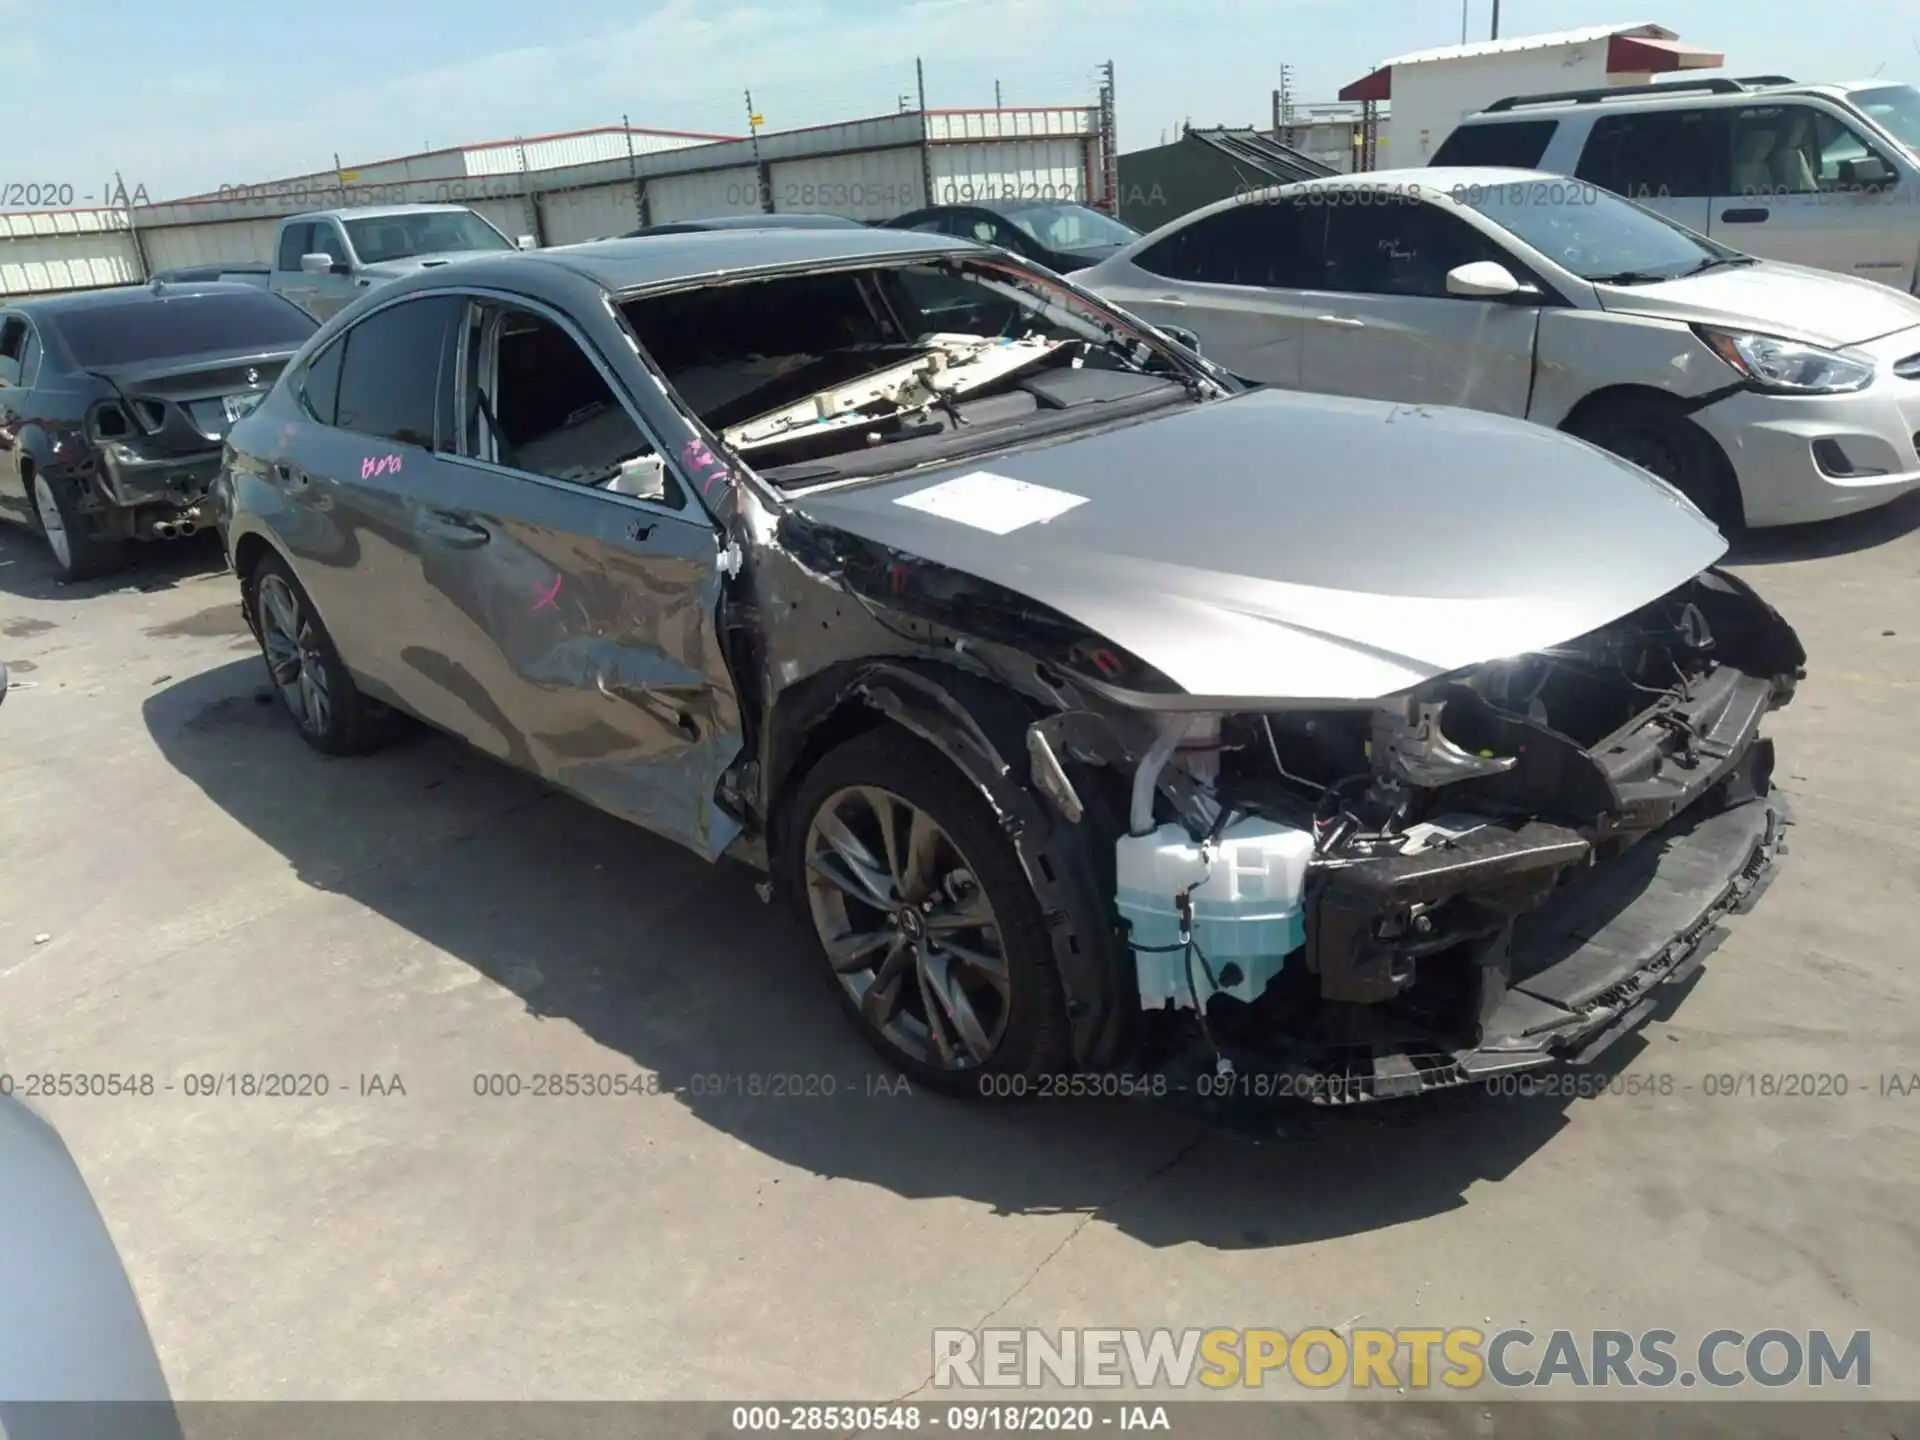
x: 1657, y: 154
x: 394, y: 366
x: 1399, y: 249
x: 1792, y: 150
x: 1518, y: 144
x: 13, y: 339
x: 326, y: 239
x: 1275, y: 244
x: 320, y: 385
x: 30, y: 358
x: 293, y: 244
x: 554, y: 414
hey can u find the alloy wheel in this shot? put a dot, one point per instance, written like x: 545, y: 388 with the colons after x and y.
x: 910, y: 933
x: 293, y: 656
x: 52, y: 524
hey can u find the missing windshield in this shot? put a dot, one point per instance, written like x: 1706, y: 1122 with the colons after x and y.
x: 805, y: 375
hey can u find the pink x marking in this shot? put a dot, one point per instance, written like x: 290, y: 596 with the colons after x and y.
x: 547, y: 596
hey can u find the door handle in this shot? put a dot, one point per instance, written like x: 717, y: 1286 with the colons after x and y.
x: 1169, y: 300
x: 1346, y: 322
x: 453, y: 530
x: 1751, y: 215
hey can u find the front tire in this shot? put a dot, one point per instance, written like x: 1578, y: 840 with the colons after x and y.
x: 922, y: 915
x: 1661, y: 439
x: 77, y: 552
x: 306, y: 670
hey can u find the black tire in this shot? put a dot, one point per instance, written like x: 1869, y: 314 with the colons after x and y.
x: 349, y: 723
x: 78, y: 553
x: 1032, y: 1038
x: 1661, y: 439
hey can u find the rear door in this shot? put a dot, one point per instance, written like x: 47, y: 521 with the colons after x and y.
x: 572, y: 583
x: 1793, y: 195
x: 1384, y: 326
x: 1672, y: 160
x: 376, y: 399
x: 1235, y: 277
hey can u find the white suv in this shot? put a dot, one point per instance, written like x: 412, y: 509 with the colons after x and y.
x: 1820, y: 175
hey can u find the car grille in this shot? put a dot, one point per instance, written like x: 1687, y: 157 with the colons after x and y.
x: 1908, y: 369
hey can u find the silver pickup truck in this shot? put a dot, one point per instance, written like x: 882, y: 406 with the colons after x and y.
x: 323, y: 259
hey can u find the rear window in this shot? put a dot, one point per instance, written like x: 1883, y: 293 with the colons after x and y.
x: 160, y: 327
x: 1516, y: 144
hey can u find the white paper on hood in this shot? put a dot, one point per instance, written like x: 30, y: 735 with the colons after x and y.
x: 998, y: 504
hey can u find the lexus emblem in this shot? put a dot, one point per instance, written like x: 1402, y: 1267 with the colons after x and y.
x: 253, y: 377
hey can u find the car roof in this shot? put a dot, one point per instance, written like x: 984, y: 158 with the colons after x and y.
x: 1678, y: 93
x: 377, y: 212
x: 118, y: 295
x: 802, y: 221
x: 633, y: 263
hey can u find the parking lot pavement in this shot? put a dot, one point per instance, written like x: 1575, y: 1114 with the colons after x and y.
x: 218, y: 901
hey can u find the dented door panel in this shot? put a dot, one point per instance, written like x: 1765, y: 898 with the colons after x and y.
x: 572, y: 632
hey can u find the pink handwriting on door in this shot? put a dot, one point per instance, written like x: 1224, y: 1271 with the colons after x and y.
x: 379, y: 465
x: 547, y: 597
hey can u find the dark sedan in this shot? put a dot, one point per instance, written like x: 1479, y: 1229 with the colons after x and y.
x: 1045, y: 669
x: 1058, y: 234
x: 114, y: 404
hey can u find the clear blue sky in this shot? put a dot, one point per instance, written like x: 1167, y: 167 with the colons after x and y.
x: 201, y: 93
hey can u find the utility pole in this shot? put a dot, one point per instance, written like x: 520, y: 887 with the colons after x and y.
x: 1463, y: 22
x: 763, y: 178
x: 133, y: 230
x: 996, y: 95
x: 1496, y: 21
x: 1283, y: 107
x: 1109, y: 145
x: 633, y: 175
x: 926, y: 140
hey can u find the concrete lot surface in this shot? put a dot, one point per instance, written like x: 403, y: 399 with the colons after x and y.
x: 217, y: 900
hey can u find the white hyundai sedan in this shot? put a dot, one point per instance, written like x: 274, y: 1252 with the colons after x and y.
x: 1768, y: 394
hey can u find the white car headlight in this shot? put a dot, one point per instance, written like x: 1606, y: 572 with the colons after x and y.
x: 1789, y: 366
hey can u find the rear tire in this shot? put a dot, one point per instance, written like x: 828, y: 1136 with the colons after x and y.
x: 944, y: 961
x: 1661, y: 439
x: 306, y: 670
x: 78, y: 554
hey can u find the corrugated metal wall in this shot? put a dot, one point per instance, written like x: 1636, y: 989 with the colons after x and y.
x: 870, y: 169
x: 866, y: 185
x: 233, y: 241
x: 66, y: 250
x: 594, y: 213
x: 734, y: 191
x: 1049, y: 169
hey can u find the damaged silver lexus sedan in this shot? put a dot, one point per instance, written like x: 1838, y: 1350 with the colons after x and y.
x: 1094, y: 710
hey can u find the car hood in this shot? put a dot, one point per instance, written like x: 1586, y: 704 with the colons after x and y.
x: 414, y: 264
x: 1774, y: 299
x: 1307, y: 547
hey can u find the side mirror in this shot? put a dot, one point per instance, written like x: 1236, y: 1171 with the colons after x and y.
x: 317, y: 263
x: 1185, y: 336
x: 1483, y: 280
x: 527, y: 242
x: 1868, y: 171
x: 644, y: 477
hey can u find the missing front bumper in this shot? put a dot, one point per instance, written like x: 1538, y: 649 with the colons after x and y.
x: 1570, y: 979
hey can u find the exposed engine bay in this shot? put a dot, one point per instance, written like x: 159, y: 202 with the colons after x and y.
x: 807, y: 376
x: 1493, y: 872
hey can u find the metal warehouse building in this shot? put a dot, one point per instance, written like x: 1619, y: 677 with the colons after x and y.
x: 585, y: 185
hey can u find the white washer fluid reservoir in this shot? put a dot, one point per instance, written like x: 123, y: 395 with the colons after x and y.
x: 1247, y: 906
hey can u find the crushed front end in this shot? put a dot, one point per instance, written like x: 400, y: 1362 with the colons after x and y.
x: 1502, y: 868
